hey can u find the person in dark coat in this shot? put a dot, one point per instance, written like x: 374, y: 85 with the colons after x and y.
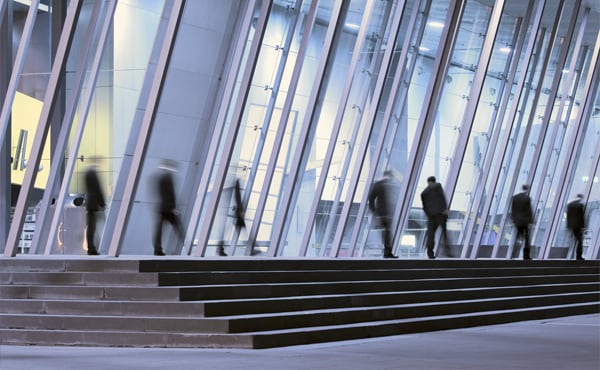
x: 576, y: 223
x: 522, y: 217
x: 167, y: 211
x: 435, y: 207
x: 94, y: 203
x: 240, y: 223
x: 382, y: 205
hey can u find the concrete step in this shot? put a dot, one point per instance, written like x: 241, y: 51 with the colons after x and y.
x: 45, y: 337
x: 102, y: 307
x: 59, y: 263
x: 115, y: 323
x: 89, y: 292
x: 79, y: 278
x: 208, y: 292
x: 351, y: 315
x: 289, y: 337
x: 286, y: 304
x: 297, y: 276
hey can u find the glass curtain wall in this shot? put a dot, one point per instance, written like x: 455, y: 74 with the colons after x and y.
x: 300, y: 106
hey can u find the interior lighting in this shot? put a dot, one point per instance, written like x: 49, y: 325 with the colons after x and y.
x: 352, y: 26
x: 505, y: 49
x: 423, y: 48
x: 435, y: 24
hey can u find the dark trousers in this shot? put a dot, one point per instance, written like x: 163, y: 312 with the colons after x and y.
x: 173, y: 219
x: 433, y: 223
x: 91, y: 230
x: 578, y: 235
x: 523, y: 234
x: 385, y: 223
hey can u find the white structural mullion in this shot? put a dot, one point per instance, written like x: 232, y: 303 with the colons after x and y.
x: 47, y: 237
x: 538, y: 91
x: 3, y: 6
x: 57, y: 76
x: 306, y: 134
x: 431, y: 101
x: 219, y: 123
x: 548, y: 133
x: 268, y: 116
x: 6, y: 109
x: 134, y: 162
x: 334, y: 136
x: 309, y: 22
x: 574, y: 147
x: 496, y: 153
x: 234, y: 127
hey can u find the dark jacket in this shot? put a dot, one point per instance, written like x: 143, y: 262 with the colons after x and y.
x: 522, y: 214
x: 166, y: 191
x: 434, y: 200
x: 381, y: 199
x: 575, y: 215
x: 94, y: 196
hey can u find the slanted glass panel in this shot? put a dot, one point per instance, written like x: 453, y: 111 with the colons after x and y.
x: 454, y: 100
x: 26, y: 109
x: 340, y: 126
x: 482, y: 145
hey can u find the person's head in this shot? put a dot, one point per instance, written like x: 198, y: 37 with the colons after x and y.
x: 431, y: 179
x: 579, y: 197
x: 388, y: 174
x: 525, y: 188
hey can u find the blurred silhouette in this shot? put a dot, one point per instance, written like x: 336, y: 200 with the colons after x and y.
x: 94, y: 203
x: 435, y: 207
x: 239, y: 210
x: 167, y: 211
x: 522, y: 217
x: 576, y: 223
x: 382, y: 205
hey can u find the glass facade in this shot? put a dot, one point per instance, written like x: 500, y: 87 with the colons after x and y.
x: 304, y: 104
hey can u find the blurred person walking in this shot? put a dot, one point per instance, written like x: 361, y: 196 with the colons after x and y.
x: 382, y: 205
x: 435, y: 207
x: 522, y: 217
x: 94, y: 203
x: 167, y: 211
x: 576, y: 223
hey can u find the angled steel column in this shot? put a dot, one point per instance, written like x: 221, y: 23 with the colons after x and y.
x: 306, y: 135
x: 228, y: 144
x: 594, y: 247
x: 51, y: 217
x: 492, y: 155
x: 367, y: 124
x: 218, y: 121
x: 335, y: 132
x: 532, y: 115
x: 133, y: 164
x: 433, y: 95
x: 56, y: 79
x: 6, y: 61
x: 264, y: 129
x: 535, y: 168
x: 575, y: 146
x: 6, y: 110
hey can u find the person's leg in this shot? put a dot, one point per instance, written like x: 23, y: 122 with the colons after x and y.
x: 431, y: 227
x: 91, y: 232
x: 442, y: 222
x: 387, y: 239
x: 527, y: 248
x: 578, y: 233
x: 158, y: 235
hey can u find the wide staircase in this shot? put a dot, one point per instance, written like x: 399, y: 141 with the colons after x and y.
x: 261, y: 303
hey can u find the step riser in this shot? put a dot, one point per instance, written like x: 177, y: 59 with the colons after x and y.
x: 243, y: 277
x: 288, y: 290
x: 79, y: 278
x: 381, y: 330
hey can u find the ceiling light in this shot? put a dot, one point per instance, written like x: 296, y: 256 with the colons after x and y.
x: 505, y: 49
x: 435, y: 24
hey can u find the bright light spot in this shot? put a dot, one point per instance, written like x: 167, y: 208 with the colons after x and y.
x: 435, y: 24
x: 352, y: 26
x: 505, y: 49
x: 423, y: 48
x: 408, y: 240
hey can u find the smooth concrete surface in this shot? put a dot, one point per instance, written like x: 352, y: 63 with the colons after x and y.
x: 571, y: 343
